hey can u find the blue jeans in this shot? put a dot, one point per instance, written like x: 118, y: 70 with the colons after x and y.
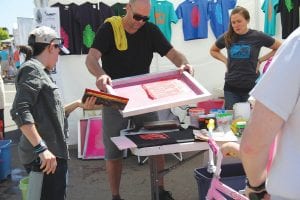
x: 232, y: 97
x: 54, y: 185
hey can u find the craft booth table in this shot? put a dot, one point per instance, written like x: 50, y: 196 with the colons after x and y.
x: 149, y: 93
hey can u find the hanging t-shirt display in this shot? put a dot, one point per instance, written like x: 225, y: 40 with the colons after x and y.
x: 219, y: 15
x: 69, y: 29
x: 163, y: 14
x: 119, y: 9
x: 194, y: 18
x: 289, y: 10
x: 270, y: 7
x: 90, y: 17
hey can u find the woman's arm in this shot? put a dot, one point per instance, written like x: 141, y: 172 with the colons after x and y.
x: 216, y: 53
x: 265, y: 57
x: 274, y: 48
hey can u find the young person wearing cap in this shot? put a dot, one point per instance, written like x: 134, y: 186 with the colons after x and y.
x: 39, y: 113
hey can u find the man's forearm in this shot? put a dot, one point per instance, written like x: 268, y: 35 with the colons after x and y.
x: 176, y: 57
x: 92, y: 63
x: 94, y: 68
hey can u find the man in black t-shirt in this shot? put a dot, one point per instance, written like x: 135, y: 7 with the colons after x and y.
x: 143, y: 39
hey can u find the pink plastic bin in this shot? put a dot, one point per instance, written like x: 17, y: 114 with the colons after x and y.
x: 211, y: 104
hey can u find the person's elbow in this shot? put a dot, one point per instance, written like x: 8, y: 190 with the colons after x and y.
x: 276, y: 45
x: 88, y: 61
x: 214, y: 51
x: 92, y: 57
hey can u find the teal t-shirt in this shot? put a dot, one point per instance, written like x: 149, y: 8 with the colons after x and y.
x: 270, y: 9
x: 163, y: 14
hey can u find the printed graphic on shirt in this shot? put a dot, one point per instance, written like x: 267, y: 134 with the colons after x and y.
x: 160, y: 18
x: 88, y: 36
x: 289, y: 5
x: 65, y: 36
x: 195, y: 16
x: 240, y: 51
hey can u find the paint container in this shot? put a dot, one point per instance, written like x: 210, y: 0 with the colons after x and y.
x: 242, y: 110
x: 204, y: 119
x: 194, y: 115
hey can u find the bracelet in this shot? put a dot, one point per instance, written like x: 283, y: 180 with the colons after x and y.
x: 257, y: 188
x: 41, y: 147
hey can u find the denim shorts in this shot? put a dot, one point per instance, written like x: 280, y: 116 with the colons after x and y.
x: 113, y: 122
x: 232, y: 97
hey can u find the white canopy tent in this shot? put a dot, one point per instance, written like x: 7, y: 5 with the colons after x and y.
x: 208, y: 71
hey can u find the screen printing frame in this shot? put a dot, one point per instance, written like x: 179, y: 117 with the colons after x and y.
x: 140, y: 103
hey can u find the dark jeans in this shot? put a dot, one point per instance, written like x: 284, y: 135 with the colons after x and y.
x: 54, y: 185
x: 233, y: 97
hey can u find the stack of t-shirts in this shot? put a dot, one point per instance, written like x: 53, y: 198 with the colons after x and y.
x: 162, y: 138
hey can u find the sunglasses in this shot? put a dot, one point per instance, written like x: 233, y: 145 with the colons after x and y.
x: 58, y: 41
x: 138, y: 17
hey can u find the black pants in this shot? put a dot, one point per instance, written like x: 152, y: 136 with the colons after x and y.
x: 54, y: 185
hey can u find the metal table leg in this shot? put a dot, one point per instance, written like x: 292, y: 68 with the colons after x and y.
x: 153, y: 178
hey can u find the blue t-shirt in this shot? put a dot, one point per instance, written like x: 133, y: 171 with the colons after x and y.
x: 219, y: 16
x: 270, y: 8
x: 163, y: 14
x: 194, y: 18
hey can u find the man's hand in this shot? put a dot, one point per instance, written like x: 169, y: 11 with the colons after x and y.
x: 48, y: 162
x: 102, y: 81
x: 188, y: 68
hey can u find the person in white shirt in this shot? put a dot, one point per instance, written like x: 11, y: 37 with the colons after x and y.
x: 276, y: 113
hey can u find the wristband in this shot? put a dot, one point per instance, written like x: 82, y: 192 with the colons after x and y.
x: 41, y: 147
x: 257, y: 188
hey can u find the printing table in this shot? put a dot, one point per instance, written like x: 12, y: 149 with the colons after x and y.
x: 123, y: 142
x: 166, y: 149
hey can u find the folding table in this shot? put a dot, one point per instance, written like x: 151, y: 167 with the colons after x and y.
x: 123, y: 143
